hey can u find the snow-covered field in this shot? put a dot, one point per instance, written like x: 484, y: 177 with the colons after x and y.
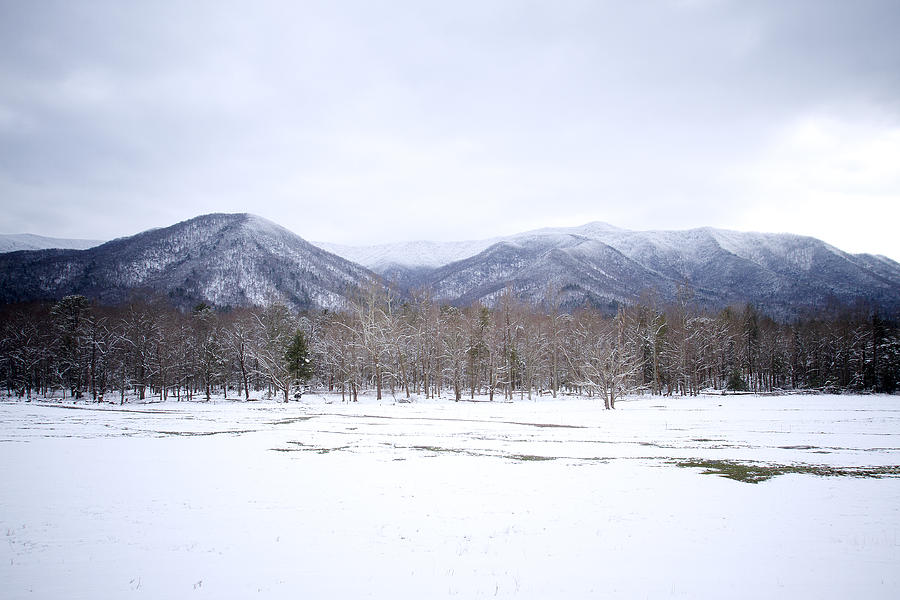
x: 543, y: 499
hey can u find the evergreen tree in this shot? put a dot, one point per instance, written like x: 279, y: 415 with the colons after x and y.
x: 297, y: 357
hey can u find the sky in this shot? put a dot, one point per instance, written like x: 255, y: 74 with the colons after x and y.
x: 367, y: 122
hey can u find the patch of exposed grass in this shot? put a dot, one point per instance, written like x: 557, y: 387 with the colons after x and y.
x: 327, y: 450
x: 542, y: 425
x: 439, y: 449
x: 655, y: 445
x: 518, y: 457
x: 753, y: 472
x: 301, y: 447
x: 203, y: 433
x: 290, y: 420
x: 529, y: 457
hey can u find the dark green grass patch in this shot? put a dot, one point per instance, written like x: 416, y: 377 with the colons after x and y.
x: 753, y: 472
x: 529, y: 457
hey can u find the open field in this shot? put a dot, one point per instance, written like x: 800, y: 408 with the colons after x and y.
x: 741, y: 497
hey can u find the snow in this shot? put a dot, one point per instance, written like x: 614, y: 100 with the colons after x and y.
x: 435, y: 498
x: 408, y: 254
x: 437, y: 254
x: 676, y: 247
x: 595, y: 230
x: 10, y: 242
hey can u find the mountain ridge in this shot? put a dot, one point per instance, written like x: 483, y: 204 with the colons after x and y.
x: 241, y: 259
x: 223, y: 259
x: 12, y: 242
x: 784, y: 273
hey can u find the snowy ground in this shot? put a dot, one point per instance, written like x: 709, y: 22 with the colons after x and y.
x: 545, y: 499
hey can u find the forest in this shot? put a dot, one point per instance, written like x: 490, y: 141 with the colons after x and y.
x: 145, y: 349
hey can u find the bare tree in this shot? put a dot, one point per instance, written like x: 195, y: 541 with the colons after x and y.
x: 238, y: 337
x: 454, y: 348
x: 274, y: 330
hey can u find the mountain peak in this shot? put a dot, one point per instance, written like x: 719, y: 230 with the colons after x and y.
x: 223, y: 259
x: 592, y: 229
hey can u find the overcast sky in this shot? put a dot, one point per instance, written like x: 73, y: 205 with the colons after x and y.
x: 366, y: 122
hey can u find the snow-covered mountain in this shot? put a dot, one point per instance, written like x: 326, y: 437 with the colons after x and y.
x: 579, y: 269
x: 601, y: 265
x: 419, y: 255
x: 243, y: 259
x: 11, y: 242
x: 411, y: 255
x: 221, y: 259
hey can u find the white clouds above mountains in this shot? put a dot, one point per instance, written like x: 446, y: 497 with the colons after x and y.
x: 358, y: 123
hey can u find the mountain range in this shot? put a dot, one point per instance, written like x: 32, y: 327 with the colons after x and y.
x: 10, y: 242
x: 240, y: 259
x: 603, y: 265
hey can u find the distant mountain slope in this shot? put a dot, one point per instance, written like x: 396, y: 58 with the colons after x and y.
x: 418, y: 255
x: 222, y: 259
x: 239, y: 259
x: 11, y: 242
x: 579, y: 269
x: 783, y: 274
x: 412, y: 255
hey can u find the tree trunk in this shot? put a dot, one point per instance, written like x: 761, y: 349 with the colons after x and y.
x: 245, y: 380
x: 377, y: 380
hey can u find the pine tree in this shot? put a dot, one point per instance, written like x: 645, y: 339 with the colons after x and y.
x: 297, y: 358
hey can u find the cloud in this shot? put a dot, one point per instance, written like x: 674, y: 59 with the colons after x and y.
x: 443, y: 120
x: 835, y: 179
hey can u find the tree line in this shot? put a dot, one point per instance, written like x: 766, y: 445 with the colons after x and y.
x: 148, y: 349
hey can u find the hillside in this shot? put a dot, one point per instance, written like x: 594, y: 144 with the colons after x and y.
x: 221, y: 259
x: 11, y: 242
x: 602, y: 265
